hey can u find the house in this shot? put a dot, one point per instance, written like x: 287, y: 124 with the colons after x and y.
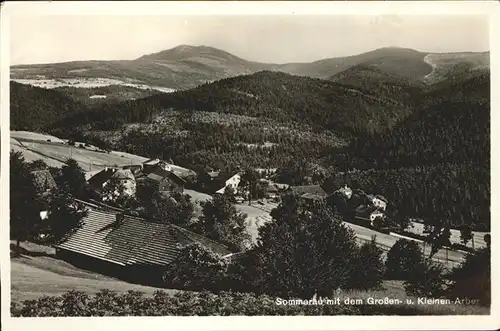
x: 163, y: 180
x: 135, y: 168
x: 367, y: 213
x: 233, y: 181
x: 308, y: 192
x: 378, y: 201
x: 43, y: 181
x: 346, y: 191
x: 128, y: 247
x: 123, y: 176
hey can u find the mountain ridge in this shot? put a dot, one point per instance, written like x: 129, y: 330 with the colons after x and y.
x: 187, y: 66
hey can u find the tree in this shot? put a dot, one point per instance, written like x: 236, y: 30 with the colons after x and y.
x: 427, y: 279
x: 72, y: 179
x: 38, y: 165
x: 472, y: 278
x: 25, y: 221
x: 439, y: 237
x: 402, y: 258
x: 465, y: 233
x: 249, y: 182
x: 370, y: 267
x: 196, y: 268
x: 175, y: 208
x: 230, y: 194
x: 487, y: 239
x: 221, y: 222
x: 65, y: 216
x: 304, y: 251
x: 113, y: 190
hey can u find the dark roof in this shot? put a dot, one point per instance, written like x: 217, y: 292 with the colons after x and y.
x: 381, y: 198
x: 316, y: 190
x: 363, y: 210
x: 133, y: 241
x: 158, y: 174
x: 101, y: 177
x: 43, y: 180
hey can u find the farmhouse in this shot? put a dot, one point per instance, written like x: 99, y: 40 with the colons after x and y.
x: 308, y: 192
x: 346, y: 191
x: 367, y: 213
x: 378, y: 201
x: 123, y: 176
x: 163, y: 180
x: 127, y: 247
x: 233, y: 182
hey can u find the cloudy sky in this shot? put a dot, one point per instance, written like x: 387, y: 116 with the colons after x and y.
x: 276, y: 39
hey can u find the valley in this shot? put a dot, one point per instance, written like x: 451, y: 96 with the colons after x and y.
x: 202, y: 171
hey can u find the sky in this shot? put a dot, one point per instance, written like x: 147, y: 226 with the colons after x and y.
x: 271, y: 39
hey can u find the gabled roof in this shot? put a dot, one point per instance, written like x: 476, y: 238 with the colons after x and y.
x: 132, y: 240
x: 158, y: 174
x: 101, y: 177
x: 43, y: 180
x: 363, y: 210
x: 310, y: 189
x: 378, y: 196
x: 123, y: 174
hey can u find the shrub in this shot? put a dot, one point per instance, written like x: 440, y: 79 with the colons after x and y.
x: 108, y: 303
x: 402, y: 259
x: 197, y: 268
x: 426, y: 279
x: 472, y: 279
x: 370, y: 267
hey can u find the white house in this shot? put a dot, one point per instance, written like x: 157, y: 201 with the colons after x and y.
x: 346, y: 191
x: 233, y: 181
x: 379, y: 202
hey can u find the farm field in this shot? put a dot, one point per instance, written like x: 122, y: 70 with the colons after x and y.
x: 35, y: 136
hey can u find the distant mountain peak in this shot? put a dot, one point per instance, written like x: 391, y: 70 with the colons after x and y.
x: 184, y: 51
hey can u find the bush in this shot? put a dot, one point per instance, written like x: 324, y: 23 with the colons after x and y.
x: 108, y: 303
x: 426, y: 279
x: 370, y: 267
x: 197, y: 268
x: 402, y: 259
x: 472, y: 279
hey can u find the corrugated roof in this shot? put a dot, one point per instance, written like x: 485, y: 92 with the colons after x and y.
x: 133, y: 240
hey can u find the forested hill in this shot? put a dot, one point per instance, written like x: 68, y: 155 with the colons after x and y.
x: 286, y: 98
x: 382, y: 83
x: 453, y: 127
x: 35, y: 109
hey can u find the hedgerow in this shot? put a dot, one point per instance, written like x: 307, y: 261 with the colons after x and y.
x: 132, y: 303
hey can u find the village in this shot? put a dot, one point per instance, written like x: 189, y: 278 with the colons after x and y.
x: 102, y: 244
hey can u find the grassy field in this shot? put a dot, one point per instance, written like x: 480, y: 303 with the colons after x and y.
x: 35, y: 276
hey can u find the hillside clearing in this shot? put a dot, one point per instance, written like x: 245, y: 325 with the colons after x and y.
x: 33, y: 277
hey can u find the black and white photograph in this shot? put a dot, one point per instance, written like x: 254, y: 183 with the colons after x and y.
x: 243, y: 163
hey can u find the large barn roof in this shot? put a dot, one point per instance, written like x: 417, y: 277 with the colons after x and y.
x: 132, y: 240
